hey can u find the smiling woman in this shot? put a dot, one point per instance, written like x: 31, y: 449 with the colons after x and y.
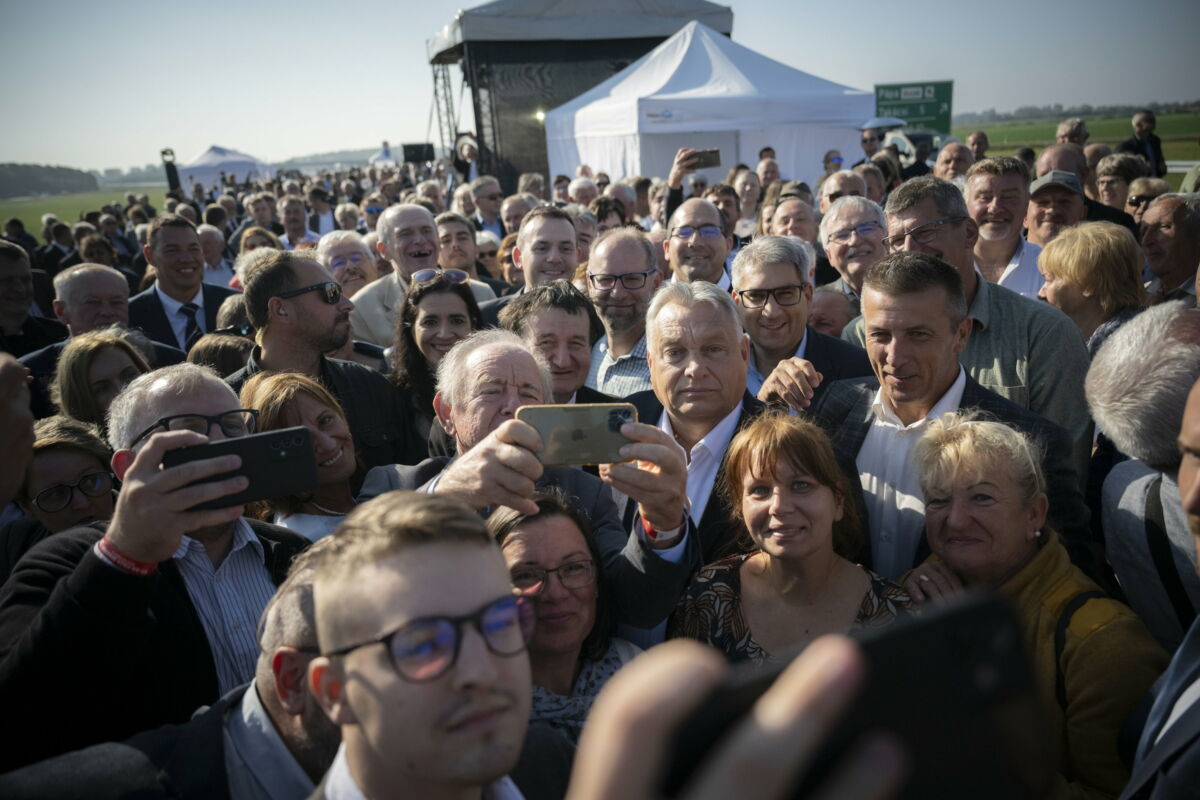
x: 288, y: 399
x: 798, y: 583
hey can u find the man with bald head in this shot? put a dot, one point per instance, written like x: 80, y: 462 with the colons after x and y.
x: 953, y: 161
x: 768, y: 171
x: 408, y: 239
x: 1070, y: 158
x: 1171, y: 244
x: 843, y: 183
x: 700, y: 241
x: 623, y: 274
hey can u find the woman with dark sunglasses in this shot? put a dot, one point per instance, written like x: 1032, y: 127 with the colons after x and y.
x: 553, y: 557
x: 438, y: 312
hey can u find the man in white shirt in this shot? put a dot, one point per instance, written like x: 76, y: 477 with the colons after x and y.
x: 424, y: 664
x: 218, y: 270
x: 700, y: 240
x: 295, y: 223
x: 997, y: 197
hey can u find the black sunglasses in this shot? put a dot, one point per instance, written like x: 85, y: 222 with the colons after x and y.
x: 331, y: 292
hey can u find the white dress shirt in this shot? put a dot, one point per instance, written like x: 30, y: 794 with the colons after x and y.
x: 891, y: 487
x: 220, y: 275
x: 704, y: 460
x: 177, y: 318
x: 1022, y: 275
x: 308, y: 236
x: 340, y: 785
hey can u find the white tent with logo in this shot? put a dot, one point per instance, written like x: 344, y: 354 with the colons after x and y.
x: 700, y: 89
x: 207, y: 167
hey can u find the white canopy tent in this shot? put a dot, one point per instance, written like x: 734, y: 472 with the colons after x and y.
x: 700, y: 89
x: 206, y: 168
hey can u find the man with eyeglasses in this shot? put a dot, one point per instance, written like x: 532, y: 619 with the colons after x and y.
x: 162, y: 601
x: 790, y: 363
x: 488, y: 197
x: 1024, y: 350
x: 997, y: 194
x: 623, y: 275
x: 851, y: 234
x: 423, y: 659
x: 870, y: 141
x: 301, y: 314
x: 700, y: 240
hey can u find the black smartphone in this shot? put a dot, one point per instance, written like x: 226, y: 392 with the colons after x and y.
x: 953, y: 686
x: 278, y: 463
x: 703, y: 159
x: 580, y: 433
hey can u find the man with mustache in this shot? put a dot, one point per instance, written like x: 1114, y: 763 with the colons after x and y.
x: 997, y: 196
x: 300, y: 314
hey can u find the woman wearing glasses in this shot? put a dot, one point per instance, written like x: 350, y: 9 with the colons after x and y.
x: 92, y: 370
x: 345, y: 255
x: 68, y: 482
x: 438, y: 312
x: 797, y: 582
x: 288, y: 399
x: 552, y: 556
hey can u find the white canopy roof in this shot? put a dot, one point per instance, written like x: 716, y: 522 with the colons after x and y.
x: 572, y: 20
x: 207, y: 167
x: 700, y: 89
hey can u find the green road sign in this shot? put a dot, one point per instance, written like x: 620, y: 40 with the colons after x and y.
x: 921, y: 105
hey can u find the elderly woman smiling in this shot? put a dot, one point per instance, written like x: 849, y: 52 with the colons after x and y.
x: 985, y: 517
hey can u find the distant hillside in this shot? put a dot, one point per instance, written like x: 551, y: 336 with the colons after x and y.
x: 24, y: 180
x: 1062, y: 112
x: 348, y: 157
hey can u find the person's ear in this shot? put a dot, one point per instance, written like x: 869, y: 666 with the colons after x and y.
x: 60, y: 310
x: 290, y: 668
x: 276, y: 308
x: 1037, y: 513
x: 148, y: 253
x: 972, y: 230
x: 442, y: 409
x: 121, y: 461
x: 327, y: 684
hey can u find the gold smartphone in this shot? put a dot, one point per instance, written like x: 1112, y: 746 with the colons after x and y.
x: 580, y: 433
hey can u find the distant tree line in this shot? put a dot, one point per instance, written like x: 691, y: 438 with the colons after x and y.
x: 1059, y: 110
x: 21, y: 180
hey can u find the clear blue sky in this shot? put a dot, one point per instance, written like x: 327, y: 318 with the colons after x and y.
x: 96, y: 85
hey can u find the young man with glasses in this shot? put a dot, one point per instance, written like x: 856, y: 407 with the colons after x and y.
x: 700, y: 240
x: 301, y: 314
x: 790, y: 363
x: 424, y: 663
x: 162, y: 602
x: 622, y: 277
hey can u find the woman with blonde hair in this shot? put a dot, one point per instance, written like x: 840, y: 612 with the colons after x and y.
x: 93, y: 369
x: 289, y: 399
x: 797, y: 581
x: 985, y: 519
x: 1093, y: 274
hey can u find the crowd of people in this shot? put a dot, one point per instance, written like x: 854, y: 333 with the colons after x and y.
x: 855, y: 402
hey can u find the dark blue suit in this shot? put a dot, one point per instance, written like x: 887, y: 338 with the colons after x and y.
x: 146, y: 312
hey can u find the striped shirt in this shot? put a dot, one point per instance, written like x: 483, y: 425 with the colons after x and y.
x: 620, y: 378
x: 229, y: 600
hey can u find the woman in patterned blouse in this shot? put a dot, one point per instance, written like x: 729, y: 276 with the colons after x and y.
x: 785, y: 485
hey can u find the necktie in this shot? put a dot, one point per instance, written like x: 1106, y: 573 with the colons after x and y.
x: 192, y: 332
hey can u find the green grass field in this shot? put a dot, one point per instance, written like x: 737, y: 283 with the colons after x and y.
x: 68, y: 206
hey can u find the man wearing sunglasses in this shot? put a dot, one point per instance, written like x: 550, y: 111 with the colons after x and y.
x: 843, y: 183
x: 870, y: 141
x: 162, y: 601
x: 790, y: 363
x: 423, y: 653
x: 301, y: 314
x: 1024, y: 350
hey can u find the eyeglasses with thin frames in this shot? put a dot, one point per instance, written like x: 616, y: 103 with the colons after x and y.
x: 630, y: 280
x: 572, y: 575
x: 784, y: 295
x: 922, y: 234
x: 425, y: 649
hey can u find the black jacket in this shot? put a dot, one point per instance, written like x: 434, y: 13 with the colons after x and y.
x: 379, y: 412
x: 91, y: 654
x: 844, y: 411
x: 185, y: 761
x: 1098, y: 212
x: 719, y: 531
x: 1158, y: 164
x: 835, y: 359
x: 146, y: 312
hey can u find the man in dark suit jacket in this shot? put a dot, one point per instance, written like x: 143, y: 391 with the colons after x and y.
x: 180, y: 307
x: 790, y: 363
x: 546, y: 250
x: 269, y: 734
x: 916, y: 325
x: 1145, y: 144
x: 487, y: 377
x: 1167, y: 761
x: 136, y: 599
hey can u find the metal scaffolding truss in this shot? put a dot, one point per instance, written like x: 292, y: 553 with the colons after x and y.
x: 444, y: 101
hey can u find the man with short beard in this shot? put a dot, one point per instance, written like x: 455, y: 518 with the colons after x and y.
x: 623, y: 275
x: 300, y: 314
x: 997, y: 195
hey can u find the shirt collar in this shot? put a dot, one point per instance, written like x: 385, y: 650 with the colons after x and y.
x: 172, y: 306
x: 950, y: 401
x: 340, y: 784
x: 716, y: 440
x: 243, y: 536
x: 638, y: 351
x: 263, y: 751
